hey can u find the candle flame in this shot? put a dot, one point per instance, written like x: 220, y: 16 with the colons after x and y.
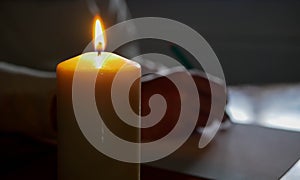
x: 99, y: 42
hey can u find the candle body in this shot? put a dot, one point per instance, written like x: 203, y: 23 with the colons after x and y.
x: 77, y: 158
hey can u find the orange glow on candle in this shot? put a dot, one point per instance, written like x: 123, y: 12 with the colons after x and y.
x: 80, y: 162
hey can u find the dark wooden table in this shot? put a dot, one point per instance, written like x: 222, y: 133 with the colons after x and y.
x: 25, y: 158
x: 244, y: 151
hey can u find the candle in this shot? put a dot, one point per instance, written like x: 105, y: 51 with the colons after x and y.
x: 77, y: 158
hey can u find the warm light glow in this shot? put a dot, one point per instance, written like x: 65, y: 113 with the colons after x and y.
x: 99, y: 40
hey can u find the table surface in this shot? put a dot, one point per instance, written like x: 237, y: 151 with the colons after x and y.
x: 243, y: 151
x: 25, y: 158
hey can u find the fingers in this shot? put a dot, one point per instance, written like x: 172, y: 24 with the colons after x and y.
x: 155, y: 84
x: 205, y: 83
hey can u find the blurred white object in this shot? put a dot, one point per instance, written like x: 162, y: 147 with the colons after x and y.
x: 275, y: 106
x: 293, y: 173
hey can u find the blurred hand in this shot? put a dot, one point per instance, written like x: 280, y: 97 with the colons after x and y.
x: 155, y: 84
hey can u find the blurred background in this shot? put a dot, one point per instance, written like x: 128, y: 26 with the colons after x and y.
x: 257, y: 42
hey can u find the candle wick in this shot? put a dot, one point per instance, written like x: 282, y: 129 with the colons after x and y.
x: 99, y: 48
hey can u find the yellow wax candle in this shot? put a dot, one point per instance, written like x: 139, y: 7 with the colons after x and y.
x: 77, y: 158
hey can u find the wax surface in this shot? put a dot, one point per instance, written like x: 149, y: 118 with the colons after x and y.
x: 77, y: 158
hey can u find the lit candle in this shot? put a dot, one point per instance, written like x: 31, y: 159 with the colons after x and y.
x: 77, y: 158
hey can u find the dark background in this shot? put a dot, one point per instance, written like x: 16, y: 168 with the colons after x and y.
x: 256, y: 41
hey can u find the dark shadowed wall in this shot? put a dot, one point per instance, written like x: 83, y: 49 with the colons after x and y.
x: 256, y: 41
